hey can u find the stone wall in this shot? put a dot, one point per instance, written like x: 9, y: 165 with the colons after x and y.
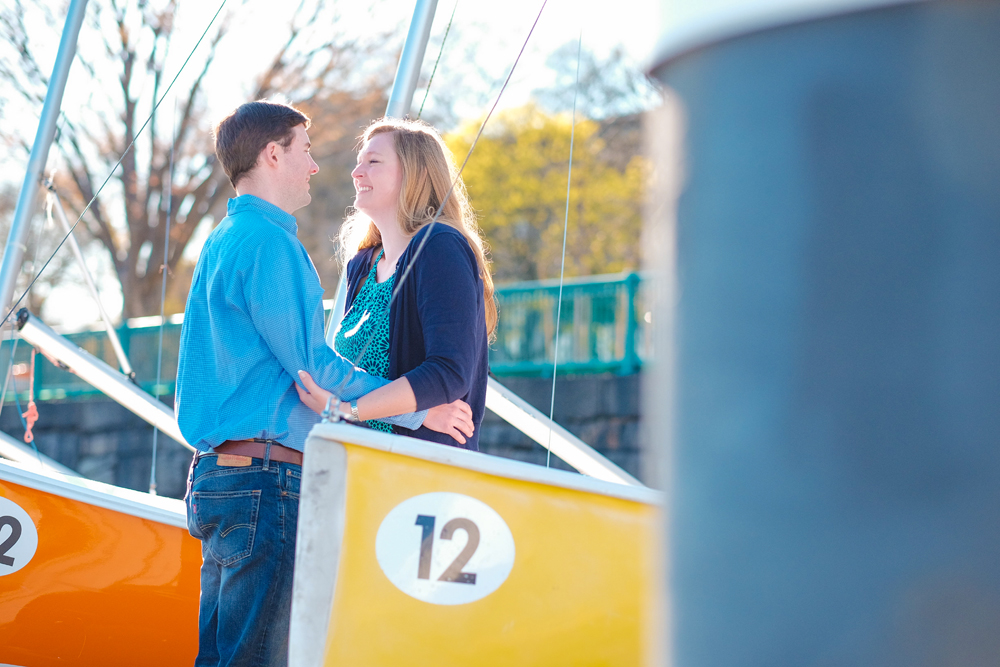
x: 105, y: 442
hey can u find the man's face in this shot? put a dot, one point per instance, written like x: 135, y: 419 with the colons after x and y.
x: 295, y: 167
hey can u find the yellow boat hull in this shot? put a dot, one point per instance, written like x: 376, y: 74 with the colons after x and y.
x: 581, y: 581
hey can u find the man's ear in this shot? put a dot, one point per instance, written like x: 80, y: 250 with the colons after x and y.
x: 269, y: 156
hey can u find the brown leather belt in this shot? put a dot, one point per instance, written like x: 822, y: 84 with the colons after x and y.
x: 254, y: 449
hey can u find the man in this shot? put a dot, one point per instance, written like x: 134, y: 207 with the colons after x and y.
x: 254, y: 318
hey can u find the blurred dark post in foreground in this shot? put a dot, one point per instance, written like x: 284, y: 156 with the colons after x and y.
x: 834, y: 463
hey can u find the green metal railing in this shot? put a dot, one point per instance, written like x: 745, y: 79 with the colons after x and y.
x: 139, y: 342
x: 603, y: 326
x: 603, y: 329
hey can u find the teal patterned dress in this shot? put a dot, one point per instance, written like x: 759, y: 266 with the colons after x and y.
x: 368, y: 317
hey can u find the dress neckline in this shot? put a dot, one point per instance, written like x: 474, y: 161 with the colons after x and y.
x: 373, y: 272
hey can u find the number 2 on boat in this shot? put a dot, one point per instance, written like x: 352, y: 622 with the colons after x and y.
x: 454, y: 571
x: 18, y: 537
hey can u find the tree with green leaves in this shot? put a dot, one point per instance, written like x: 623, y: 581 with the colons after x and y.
x: 517, y: 183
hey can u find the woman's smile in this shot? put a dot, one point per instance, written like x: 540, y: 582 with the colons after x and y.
x: 378, y: 178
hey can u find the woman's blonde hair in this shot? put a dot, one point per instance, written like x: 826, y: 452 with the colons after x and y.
x: 428, y: 174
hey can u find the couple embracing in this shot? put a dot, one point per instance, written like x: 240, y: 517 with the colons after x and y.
x: 253, y: 326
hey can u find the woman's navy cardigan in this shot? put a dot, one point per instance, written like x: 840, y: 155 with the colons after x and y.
x: 437, y: 325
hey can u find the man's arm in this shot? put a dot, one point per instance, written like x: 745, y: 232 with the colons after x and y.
x: 284, y: 298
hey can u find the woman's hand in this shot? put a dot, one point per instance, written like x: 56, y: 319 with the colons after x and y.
x: 454, y: 419
x: 314, y: 396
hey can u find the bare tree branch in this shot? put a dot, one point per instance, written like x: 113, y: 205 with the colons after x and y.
x: 131, y: 41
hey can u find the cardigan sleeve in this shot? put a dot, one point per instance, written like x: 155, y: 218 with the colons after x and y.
x: 356, y: 269
x: 449, y: 297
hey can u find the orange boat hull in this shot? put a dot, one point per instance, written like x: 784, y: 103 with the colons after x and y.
x: 104, y: 587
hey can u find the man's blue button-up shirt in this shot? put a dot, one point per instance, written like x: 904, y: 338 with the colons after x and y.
x: 254, y: 317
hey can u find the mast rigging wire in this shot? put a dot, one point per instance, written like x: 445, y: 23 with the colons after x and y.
x: 164, y: 270
x: 562, y: 262
x: 27, y: 418
x: 14, y: 338
x: 54, y: 203
x: 440, y: 51
x: 10, y: 368
x: 118, y: 163
x: 437, y: 214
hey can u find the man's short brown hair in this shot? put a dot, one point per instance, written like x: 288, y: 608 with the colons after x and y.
x: 243, y: 134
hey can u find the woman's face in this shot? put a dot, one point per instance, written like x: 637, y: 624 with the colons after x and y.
x: 377, y: 179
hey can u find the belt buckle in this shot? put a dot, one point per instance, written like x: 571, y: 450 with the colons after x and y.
x: 233, y: 460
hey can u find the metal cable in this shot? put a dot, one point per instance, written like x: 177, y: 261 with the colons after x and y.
x: 17, y: 402
x: 164, y: 270
x: 31, y: 398
x: 562, y: 263
x: 31, y: 416
x: 13, y: 347
x: 117, y: 164
x: 440, y: 51
x: 55, y: 203
x: 10, y: 368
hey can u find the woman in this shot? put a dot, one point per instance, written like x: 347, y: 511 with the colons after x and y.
x: 436, y: 331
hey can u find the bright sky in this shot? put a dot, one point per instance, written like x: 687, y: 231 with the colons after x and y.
x: 497, y: 29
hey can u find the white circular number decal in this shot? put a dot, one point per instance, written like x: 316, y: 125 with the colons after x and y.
x: 445, y: 548
x: 18, y: 537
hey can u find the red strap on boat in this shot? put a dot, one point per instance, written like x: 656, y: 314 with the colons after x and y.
x: 31, y: 416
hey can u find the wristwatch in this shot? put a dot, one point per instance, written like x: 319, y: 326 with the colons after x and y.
x: 353, y: 414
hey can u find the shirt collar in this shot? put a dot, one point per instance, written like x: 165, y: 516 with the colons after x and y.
x: 265, y: 208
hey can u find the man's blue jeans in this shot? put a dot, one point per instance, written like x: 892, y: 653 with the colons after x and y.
x: 245, y: 518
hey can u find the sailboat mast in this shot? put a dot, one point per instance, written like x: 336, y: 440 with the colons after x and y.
x: 400, y: 100
x: 16, y: 239
x: 405, y: 83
